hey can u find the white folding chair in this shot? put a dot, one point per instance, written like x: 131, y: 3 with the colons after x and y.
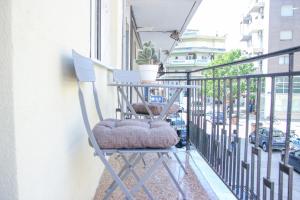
x: 85, y: 74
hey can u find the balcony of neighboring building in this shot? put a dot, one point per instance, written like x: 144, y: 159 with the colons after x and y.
x: 256, y: 25
x: 245, y: 37
x: 188, y: 63
x: 246, y: 19
x: 256, y: 6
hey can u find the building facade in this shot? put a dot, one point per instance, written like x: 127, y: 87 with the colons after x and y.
x: 268, y: 26
x: 195, y: 51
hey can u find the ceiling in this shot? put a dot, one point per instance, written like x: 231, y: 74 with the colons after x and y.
x: 157, y: 19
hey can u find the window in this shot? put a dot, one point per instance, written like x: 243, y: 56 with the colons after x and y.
x: 287, y: 10
x: 95, y: 32
x: 286, y: 35
x: 204, y: 57
x: 283, y: 60
x: 282, y: 85
x: 191, y: 56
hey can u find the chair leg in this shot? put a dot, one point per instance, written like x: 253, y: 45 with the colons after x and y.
x: 116, y: 177
x: 180, y: 163
x: 136, y: 176
x: 172, y: 176
x: 144, y: 162
x: 123, y: 174
x: 147, y: 175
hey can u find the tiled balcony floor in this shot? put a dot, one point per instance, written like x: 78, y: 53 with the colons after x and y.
x: 160, y: 185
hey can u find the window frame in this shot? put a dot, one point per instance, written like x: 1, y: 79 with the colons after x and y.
x: 285, y: 38
x: 287, y: 6
x: 283, y: 60
x: 95, y: 29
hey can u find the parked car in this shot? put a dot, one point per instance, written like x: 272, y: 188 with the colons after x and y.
x: 177, y: 122
x: 218, y: 119
x: 218, y: 101
x: 294, y: 160
x: 182, y: 135
x: 278, y: 140
x: 294, y: 141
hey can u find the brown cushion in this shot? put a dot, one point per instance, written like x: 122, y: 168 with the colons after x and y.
x: 156, y: 108
x: 134, y: 134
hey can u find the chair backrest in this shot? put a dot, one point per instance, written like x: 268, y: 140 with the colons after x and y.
x: 123, y: 76
x: 84, y: 69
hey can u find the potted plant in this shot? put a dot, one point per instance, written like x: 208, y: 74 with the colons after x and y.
x: 148, y: 62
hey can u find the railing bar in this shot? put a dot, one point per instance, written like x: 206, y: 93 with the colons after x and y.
x: 247, y: 119
x: 237, y: 130
x: 188, y: 105
x: 252, y: 59
x: 213, y: 125
x: 230, y: 111
x: 218, y: 127
x: 224, y: 103
x: 294, y: 73
x: 271, y: 128
x: 238, y: 165
x: 258, y: 92
x: 198, y: 114
x: 205, y: 125
x: 201, y: 97
x: 224, y: 127
x: 289, y: 108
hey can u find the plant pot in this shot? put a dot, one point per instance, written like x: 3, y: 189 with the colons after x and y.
x: 148, y: 73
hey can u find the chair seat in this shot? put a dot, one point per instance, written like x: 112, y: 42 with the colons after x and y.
x: 156, y: 108
x: 131, y: 133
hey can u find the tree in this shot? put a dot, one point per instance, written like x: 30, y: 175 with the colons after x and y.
x: 232, y: 70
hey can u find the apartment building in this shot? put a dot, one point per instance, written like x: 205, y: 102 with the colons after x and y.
x: 195, y: 50
x: 267, y: 26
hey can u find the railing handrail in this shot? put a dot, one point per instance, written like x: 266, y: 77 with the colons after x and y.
x: 242, y: 61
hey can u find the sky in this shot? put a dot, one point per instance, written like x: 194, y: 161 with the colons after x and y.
x: 222, y: 17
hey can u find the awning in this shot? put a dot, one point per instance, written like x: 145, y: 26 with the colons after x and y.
x: 157, y: 20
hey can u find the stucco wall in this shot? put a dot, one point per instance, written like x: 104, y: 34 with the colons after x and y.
x: 40, y: 113
x: 8, y: 179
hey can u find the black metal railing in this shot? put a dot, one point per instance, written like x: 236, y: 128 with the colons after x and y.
x: 223, y: 135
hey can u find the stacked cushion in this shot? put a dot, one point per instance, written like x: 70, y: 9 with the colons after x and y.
x: 156, y: 108
x: 120, y: 134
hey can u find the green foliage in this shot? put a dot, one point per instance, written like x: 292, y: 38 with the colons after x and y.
x: 147, y: 55
x: 228, y: 71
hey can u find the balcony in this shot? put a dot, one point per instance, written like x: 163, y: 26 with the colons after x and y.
x: 247, y: 19
x: 181, y: 62
x: 246, y: 37
x: 257, y: 50
x: 44, y: 149
x: 256, y: 5
x: 256, y: 25
x: 188, y: 63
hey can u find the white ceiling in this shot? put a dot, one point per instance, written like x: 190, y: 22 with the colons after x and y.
x: 158, y: 18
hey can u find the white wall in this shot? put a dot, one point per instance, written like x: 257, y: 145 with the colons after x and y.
x: 54, y: 160
x: 8, y: 178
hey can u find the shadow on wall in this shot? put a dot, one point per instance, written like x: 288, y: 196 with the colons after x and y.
x: 68, y: 71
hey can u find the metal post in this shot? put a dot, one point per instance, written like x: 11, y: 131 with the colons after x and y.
x: 188, y: 77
